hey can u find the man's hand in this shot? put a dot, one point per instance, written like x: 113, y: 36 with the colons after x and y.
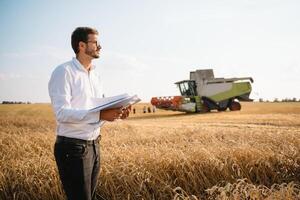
x: 115, y: 113
x: 111, y: 114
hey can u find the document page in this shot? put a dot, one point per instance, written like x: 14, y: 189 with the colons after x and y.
x: 118, y: 101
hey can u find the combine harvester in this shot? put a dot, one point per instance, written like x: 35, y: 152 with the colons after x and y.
x: 203, y: 93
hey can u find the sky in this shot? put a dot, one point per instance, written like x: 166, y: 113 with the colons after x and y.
x: 149, y: 45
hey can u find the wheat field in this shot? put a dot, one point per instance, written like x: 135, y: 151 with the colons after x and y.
x: 249, y: 154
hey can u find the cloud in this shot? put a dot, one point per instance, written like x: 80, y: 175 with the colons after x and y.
x: 14, y: 76
x: 9, y: 76
x: 115, y: 61
x: 41, y: 51
x: 14, y: 55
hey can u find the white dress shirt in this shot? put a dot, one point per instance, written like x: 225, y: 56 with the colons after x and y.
x: 71, y: 88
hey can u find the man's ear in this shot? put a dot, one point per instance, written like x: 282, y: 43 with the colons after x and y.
x: 82, y: 45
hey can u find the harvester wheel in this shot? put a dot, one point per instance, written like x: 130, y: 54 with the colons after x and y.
x: 222, y: 109
x: 234, y: 106
x: 205, y: 108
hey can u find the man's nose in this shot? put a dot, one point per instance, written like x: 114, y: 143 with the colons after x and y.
x: 99, y: 47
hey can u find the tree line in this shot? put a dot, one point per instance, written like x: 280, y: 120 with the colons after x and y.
x: 280, y: 100
x: 15, y: 102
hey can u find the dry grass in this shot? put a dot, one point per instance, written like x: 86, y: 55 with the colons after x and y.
x: 251, y: 154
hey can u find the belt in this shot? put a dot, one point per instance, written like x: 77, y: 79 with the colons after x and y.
x: 63, y: 139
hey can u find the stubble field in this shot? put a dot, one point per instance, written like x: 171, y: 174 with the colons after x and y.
x: 249, y: 154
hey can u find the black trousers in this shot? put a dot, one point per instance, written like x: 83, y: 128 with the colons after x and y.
x: 78, y: 163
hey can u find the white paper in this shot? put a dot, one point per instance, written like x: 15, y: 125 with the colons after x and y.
x: 118, y: 101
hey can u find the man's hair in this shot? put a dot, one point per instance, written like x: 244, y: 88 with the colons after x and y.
x: 80, y: 34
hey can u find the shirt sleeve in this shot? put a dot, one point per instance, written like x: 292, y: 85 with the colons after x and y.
x: 60, y: 94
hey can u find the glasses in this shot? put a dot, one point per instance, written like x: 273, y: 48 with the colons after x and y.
x: 94, y: 42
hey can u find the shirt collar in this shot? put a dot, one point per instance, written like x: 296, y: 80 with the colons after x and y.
x: 79, y: 66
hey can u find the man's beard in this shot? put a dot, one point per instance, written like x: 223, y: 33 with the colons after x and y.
x: 91, y: 53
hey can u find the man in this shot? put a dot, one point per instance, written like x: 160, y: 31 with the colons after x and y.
x: 71, y: 89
